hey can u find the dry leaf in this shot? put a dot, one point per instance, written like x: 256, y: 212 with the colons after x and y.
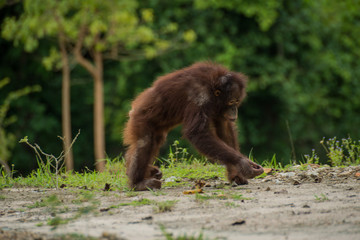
x: 199, y: 184
x: 193, y: 191
x: 268, y: 170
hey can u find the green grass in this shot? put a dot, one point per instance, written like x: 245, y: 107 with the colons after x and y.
x: 179, y: 170
x: 321, y: 198
x: 50, y: 201
x: 184, y: 173
x: 158, y: 206
x: 169, y: 236
x: 135, y: 203
x: 220, y: 195
x: 164, y: 206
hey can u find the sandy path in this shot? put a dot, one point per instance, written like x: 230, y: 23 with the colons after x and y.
x: 274, y: 208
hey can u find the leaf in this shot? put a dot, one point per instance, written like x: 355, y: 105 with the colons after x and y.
x: 268, y: 170
x: 24, y: 140
x: 188, y: 192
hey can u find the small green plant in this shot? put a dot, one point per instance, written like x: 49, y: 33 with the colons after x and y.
x: 220, y: 195
x: 169, y: 236
x: 232, y: 204
x: 51, y: 201
x: 135, y: 203
x: 84, y: 196
x: 176, y: 154
x: 165, y: 206
x: 157, y: 192
x: 344, y: 152
x: 132, y: 194
x: 272, y: 163
x: 321, y: 198
x: 313, y: 158
x: 56, y: 221
x: 52, y: 162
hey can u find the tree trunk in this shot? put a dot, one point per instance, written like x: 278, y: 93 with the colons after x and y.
x: 65, y: 108
x: 99, y: 127
x: 96, y: 71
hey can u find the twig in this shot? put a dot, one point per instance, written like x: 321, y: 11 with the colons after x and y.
x: 59, y: 163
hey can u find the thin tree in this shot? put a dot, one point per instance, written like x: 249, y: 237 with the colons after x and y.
x: 92, y: 31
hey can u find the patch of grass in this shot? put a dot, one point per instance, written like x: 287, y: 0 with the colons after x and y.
x: 232, y: 205
x: 56, y: 221
x: 272, y: 163
x: 169, y: 236
x: 135, y: 203
x: 184, y: 172
x: 158, y: 207
x: 157, y: 192
x: 220, y: 195
x: 342, y: 152
x: 132, y: 194
x: 76, y: 236
x: 84, y: 196
x: 40, y: 224
x: 88, y: 179
x: 2, y: 197
x: 165, y: 206
x: 321, y: 198
x: 51, y: 201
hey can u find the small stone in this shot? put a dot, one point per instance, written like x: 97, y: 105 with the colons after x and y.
x: 239, y: 222
x: 296, y: 182
x: 287, y: 174
x: 267, y: 189
x: 345, y: 174
x: 284, y: 191
x: 312, y: 174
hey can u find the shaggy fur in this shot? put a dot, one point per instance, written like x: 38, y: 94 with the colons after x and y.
x: 204, y: 98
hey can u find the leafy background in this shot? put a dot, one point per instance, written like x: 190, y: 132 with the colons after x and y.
x: 302, y: 58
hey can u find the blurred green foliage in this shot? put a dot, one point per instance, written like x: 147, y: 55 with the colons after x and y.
x: 302, y: 58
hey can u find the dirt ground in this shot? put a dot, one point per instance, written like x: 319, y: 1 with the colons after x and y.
x: 320, y: 203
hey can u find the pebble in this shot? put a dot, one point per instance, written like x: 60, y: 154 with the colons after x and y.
x: 313, y: 174
x: 287, y: 174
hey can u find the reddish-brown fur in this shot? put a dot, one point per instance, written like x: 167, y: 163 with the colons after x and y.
x: 204, y: 98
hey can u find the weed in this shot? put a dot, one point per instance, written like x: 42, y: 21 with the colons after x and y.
x: 2, y: 197
x: 56, y: 221
x: 157, y: 192
x: 52, y: 162
x: 141, y: 202
x: 321, y: 198
x: 40, y: 224
x: 272, y: 163
x: 231, y: 204
x: 220, y: 195
x: 238, y: 197
x: 165, y: 206
x: 52, y: 201
x: 169, y: 236
x: 344, y: 152
x: 184, y: 172
x: 85, y: 196
x: 313, y: 158
x: 132, y: 194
